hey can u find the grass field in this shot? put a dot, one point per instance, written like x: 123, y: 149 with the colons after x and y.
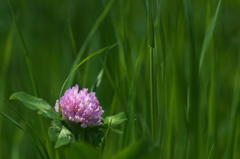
x: 175, y: 72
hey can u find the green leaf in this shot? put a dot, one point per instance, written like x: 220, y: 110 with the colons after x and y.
x: 59, y: 134
x: 115, y: 119
x: 54, y: 130
x: 35, y: 103
x: 95, y: 137
x: 64, y: 138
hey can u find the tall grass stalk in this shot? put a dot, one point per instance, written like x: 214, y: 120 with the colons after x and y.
x: 27, y: 58
x: 151, y: 38
x: 193, y: 119
x: 72, y: 39
x: 209, y: 35
x: 233, y: 119
x: 174, y: 72
x: 5, y: 66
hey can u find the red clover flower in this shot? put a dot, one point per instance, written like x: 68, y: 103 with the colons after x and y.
x: 80, y: 107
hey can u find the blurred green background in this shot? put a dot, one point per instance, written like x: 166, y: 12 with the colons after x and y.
x: 175, y: 72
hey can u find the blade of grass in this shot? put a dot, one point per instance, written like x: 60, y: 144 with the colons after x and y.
x: 99, y: 77
x: 151, y: 42
x: 27, y: 58
x: 20, y: 127
x: 72, y: 39
x: 210, y: 153
x: 6, y: 56
x: 212, y: 108
x: 150, y: 22
x: 89, y: 37
x: 7, y: 52
x: 235, y: 151
x: 209, y: 35
x: 236, y: 138
x: 5, y: 61
x: 233, y: 118
x: 97, y: 81
x: 162, y: 35
x: 114, y: 86
x: 83, y: 61
x: 105, y: 136
x: 31, y: 128
x: 162, y: 95
x: 193, y: 82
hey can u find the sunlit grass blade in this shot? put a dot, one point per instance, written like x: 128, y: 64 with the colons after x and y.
x: 210, y: 152
x: 208, y: 35
x: 98, y: 81
x: 20, y: 127
x: 99, y: 77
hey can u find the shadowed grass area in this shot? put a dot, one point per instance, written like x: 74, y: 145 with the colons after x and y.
x: 174, y: 72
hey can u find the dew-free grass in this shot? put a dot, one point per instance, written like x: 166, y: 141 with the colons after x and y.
x: 174, y: 71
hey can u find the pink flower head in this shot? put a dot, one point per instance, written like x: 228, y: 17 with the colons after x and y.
x: 80, y: 107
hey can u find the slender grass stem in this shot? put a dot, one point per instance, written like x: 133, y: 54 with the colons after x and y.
x: 151, y: 41
x: 27, y: 58
x: 72, y: 39
x: 152, y: 94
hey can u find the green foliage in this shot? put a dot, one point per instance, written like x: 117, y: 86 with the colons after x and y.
x: 20, y: 127
x: 84, y: 60
x: 95, y: 136
x: 174, y: 72
x: 35, y: 103
x: 115, y: 119
x: 208, y: 35
x: 59, y: 134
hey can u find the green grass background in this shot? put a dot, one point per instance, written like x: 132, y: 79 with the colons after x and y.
x: 175, y: 72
